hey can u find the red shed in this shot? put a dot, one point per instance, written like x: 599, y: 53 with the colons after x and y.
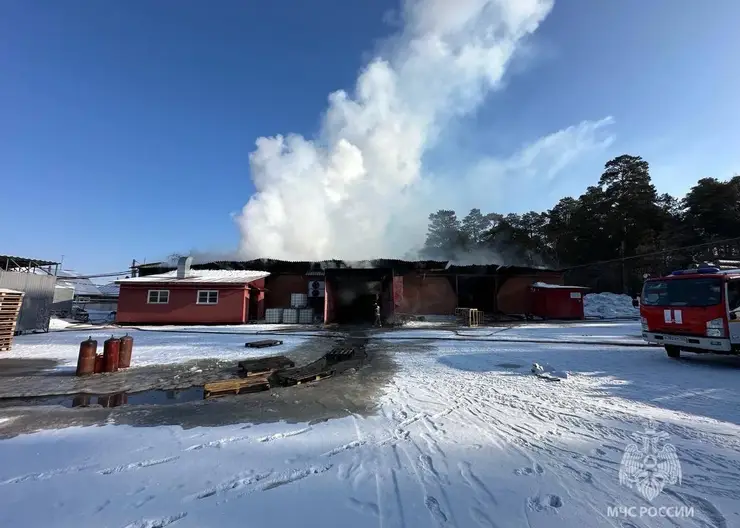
x: 192, y: 297
x: 552, y: 301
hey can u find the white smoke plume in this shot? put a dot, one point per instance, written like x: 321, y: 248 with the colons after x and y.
x: 342, y: 194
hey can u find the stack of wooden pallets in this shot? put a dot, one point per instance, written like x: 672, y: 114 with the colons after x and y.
x: 468, y: 316
x: 10, y: 307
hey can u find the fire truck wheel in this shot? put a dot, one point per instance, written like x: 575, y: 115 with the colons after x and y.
x: 673, y: 351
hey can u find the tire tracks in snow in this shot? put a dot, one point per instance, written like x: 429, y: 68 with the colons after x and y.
x: 159, y: 522
x: 138, y: 465
x: 45, y: 475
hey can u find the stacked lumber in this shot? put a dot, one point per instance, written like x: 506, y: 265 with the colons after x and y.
x: 10, y: 307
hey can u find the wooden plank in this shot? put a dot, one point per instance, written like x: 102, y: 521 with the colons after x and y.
x: 317, y: 377
x: 263, y: 343
x: 236, y: 386
x: 259, y: 365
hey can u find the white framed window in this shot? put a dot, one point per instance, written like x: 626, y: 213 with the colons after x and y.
x: 158, y: 297
x: 207, y: 296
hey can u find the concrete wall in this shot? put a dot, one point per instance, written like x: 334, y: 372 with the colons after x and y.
x: 514, y: 292
x: 37, y: 301
x: 182, y: 307
x: 426, y: 295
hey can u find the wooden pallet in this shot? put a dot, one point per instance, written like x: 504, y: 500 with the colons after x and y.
x: 263, y: 343
x: 341, y: 367
x: 6, y: 296
x: 316, y: 371
x: 236, y: 386
x: 251, y: 367
x: 341, y: 354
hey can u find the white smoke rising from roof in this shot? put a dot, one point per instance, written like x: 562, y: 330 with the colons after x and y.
x: 341, y: 194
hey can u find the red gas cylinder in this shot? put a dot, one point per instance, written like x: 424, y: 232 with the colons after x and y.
x: 111, y: 349
x: 86, y: 357
x: 99, y: 363
x: 124, y: 355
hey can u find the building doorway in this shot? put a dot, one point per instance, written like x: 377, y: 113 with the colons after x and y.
x: 477, y: 291
x: 252, y: 305
x: 354, y: 294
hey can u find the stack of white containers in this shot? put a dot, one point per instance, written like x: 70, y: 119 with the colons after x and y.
x: 274, y: 315
x: 290, y: 316
x: 298, y: 300
x: 305, y: 316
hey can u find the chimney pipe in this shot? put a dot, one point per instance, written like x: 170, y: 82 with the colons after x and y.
x: 183, y: 267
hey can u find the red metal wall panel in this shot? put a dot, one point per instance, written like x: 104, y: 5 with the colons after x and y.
x: 328, y: 303
x: 514, y: 292
x: 182, y: 307
x: 558, y: 303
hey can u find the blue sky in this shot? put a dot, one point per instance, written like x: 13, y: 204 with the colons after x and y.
x: 126, y: 128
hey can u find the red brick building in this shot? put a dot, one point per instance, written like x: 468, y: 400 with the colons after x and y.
x: 193, y: 297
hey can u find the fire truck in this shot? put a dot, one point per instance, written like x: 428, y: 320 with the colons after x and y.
x: 693, y: 310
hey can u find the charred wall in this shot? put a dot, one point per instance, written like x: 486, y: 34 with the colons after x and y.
x: 428, y: 295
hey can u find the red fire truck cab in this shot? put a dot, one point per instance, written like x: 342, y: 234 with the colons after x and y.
x: 694, y: 310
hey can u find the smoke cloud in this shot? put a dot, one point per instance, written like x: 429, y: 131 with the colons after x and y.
x: 353, y: 191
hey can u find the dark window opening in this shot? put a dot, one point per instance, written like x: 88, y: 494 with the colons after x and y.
x: 733, y: 295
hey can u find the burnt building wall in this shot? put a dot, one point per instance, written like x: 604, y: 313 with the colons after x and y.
x: 428, y: 295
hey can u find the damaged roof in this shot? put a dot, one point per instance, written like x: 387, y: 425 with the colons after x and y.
x: 200, y: 276
x: 318, y: 268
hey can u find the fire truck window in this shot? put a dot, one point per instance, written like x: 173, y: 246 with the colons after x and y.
x: 683, y: 292
x: 733, y: 295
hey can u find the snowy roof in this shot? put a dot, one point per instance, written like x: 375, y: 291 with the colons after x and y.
x: 206, y: 276
x: 558, y: 286
x: 82, y: 286
x: 109, y: 290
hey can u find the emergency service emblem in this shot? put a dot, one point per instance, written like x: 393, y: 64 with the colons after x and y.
x: 649, y: 464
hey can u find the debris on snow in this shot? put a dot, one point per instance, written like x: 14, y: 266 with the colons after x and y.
x: 59, y: 324
x: 547, y: 371
x: 609, y: 306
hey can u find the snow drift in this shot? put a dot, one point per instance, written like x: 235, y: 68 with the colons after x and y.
x: 334, y: 196
x: 609, y: 306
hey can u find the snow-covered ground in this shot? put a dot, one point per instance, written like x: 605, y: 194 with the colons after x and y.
x: 625, y: 332
x: 609, y: 306
x: 177, y: 344
x: 150, y: 347
x: 464, y: 437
